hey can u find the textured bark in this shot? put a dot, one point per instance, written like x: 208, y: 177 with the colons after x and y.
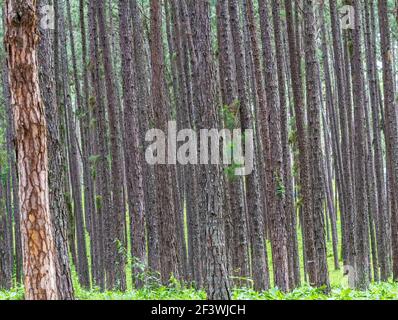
x: 190, y: 172
x: 12, y: 178
x: 362, y: 224
x: 9, y: 225
x: 180, y: 104
x: 333, y: 140
x: 82, y: 220
x: 86, y: 134
x: 69, y: 225
x: 228, y: 200
x: 102, y: 192
x: 115, y: 260
x: 305, y: 188
x: 235, y: 184
x: 56, y: 160
x: 6, y: 250
x: 189, y: 8
x: 263, y: 116
x: 291, y: 219
x: 380, y: 219
x: 210, y: 206
x: 277, y: 191
x: 347, y: 216
x: 121, y: 243
x: 133, y: 168
x: 391, y: 125
x: 258, y: 257
x: 87, y: 148
x: 74, y: 168
x: 80, y: 110
x: 315, y: 154
x: 177, y: 171
x: 253, y: 100
x: 165, y: 204
x: 349, y: 107
x: 39, y: 257
x: 145, y: 116
x: 371, y: 172
x: 331, y: 210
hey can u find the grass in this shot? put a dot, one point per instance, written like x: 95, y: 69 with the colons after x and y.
x: 176, y: 291
x: 382, y: 291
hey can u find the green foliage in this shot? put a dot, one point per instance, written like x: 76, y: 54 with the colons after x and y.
x: 230, y: 171
x: 161, y: 293
x: 280, y: 187
x: 14, y: 294
x: 93, y: 160
x: 80, y: 113
x: 121, y: 249
x: 176, y: 291
x: 147, y: 276
x: 98, y: 201
x: 230, y: 114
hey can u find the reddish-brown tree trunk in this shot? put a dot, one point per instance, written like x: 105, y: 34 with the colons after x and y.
x: 31, y: 144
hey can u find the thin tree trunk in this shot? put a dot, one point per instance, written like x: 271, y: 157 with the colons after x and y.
x: 258, y: 253
x: 315, y: 154
x: 74, y: 167
x: 391, y: 125
x: 102, y: 192
x: 165, y: 204
x: 362, y: 225
x: 277, y: 192
x: 56, y: 160
x: 115, y: 261
x: 131, y: 139
x: 305, y: 188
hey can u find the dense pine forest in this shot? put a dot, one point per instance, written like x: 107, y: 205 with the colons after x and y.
x: 95, y: 205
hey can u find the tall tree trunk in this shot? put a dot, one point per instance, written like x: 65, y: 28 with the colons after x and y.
x: 332, y: 142
x: 73, y: 149
x: 56, y: 160
x: 131, y: 141
x: 102, y: 191
x: 145, y: 114
x: 380, y: 219
x: 177, y: 171
x: 210, y: 206
x: 315, y: 154
x: 258, y: 253
x: 6, y: 250
x: 276, y: 194
x: 362, y: 222
x: 115, y: 262
x: 165, y: 205
x: 348, y: 215
x: 184, y: 49
x: 293, y: 252
x: 391, y: 125
x: 10, y: 135
x: 305, y: 186
x: 235, y: 184
x: 39, y: 255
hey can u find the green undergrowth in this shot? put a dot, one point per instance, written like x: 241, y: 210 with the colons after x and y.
x: 381, y: 291
x: 176, y: 291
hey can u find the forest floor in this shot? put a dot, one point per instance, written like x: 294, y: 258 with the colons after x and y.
x: 177, y: 291
x: 382, y: 291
